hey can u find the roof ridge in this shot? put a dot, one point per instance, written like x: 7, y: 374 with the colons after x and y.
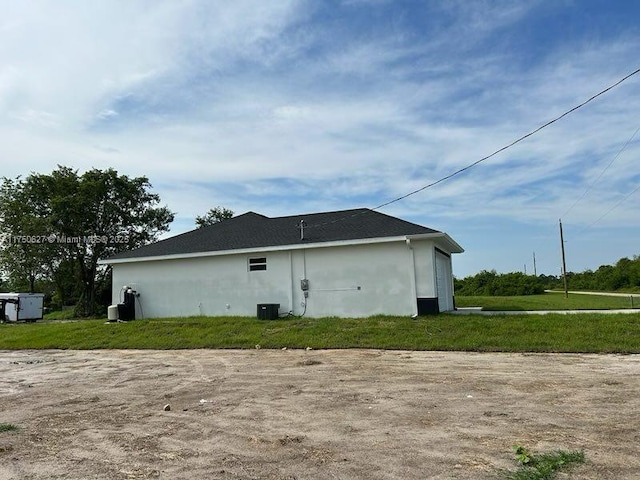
x: 298, y: 215
x: 250, y: 212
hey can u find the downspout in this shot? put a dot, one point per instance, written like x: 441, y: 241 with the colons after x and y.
x: 412, y: 279
x: 291, y: 280
x: 305, y: 293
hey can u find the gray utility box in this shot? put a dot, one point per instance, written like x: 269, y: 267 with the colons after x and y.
x: 22, y: 306
x: 268, y: 311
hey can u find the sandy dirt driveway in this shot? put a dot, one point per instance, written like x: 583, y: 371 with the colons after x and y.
x: 296, y: 414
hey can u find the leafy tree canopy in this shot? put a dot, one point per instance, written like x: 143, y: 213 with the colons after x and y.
x: 214, y: 215
x: 58, y: 225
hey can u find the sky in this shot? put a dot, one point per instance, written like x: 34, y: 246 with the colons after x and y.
x: 301, y: 106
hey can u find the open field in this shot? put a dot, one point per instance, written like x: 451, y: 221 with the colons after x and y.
x: 326, y: 414
x: 595, y: 333
x: 548, y: 301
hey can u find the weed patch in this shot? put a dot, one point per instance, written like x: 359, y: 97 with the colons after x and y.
x: 7, y: 427
x: 543, y: 466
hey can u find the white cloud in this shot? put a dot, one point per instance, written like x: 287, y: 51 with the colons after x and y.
x: 107, y: 113
x: 316, y: 111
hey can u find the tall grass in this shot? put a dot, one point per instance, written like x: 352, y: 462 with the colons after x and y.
x: 525, y: 333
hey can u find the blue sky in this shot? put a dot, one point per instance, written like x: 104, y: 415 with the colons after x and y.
x: 293, y: 106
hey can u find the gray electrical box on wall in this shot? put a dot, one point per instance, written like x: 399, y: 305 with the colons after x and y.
x: 304, y: 284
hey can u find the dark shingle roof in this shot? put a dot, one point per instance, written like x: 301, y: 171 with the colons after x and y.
x: 252, y: 230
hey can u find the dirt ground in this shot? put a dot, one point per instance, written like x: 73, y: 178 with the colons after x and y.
x: 299, y: 414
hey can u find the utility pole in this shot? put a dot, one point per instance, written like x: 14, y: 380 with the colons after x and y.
x: 564, y: 263
x: 535, y: 272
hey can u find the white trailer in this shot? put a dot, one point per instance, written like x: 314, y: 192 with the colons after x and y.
x: 22, y: 306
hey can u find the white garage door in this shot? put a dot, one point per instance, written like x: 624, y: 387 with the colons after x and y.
x: 443, y: 279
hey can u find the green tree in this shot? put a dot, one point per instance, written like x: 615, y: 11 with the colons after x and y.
x: 24, y: 257
x: 490, y: 283
x: 83, y: 218
x: 214, y: 215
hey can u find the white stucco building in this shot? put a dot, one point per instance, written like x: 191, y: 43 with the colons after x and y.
x: 352, y: 263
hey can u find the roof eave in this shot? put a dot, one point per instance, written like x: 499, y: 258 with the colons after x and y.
x: 245, y: 251
x: 440, y: 238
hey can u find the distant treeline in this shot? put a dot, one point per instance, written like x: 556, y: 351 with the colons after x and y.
x: 624, y: 276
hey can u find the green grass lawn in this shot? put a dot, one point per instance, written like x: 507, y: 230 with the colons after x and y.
x: 547, y: 301
x: 525, y: 333
x: 59, y: 315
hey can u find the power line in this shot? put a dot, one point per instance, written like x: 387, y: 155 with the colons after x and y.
x: 518, y: 140
x: 602, y: 173
x: 611, y: 209
x: 500, y: 150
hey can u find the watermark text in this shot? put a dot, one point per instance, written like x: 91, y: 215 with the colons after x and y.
x: 52, y: 238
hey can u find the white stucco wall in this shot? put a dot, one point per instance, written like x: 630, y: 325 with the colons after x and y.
x: 359, y: 281
x: 220, y: 285
x: 348, y: 281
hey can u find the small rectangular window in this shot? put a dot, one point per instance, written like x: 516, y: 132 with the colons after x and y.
x: 256, y: 264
